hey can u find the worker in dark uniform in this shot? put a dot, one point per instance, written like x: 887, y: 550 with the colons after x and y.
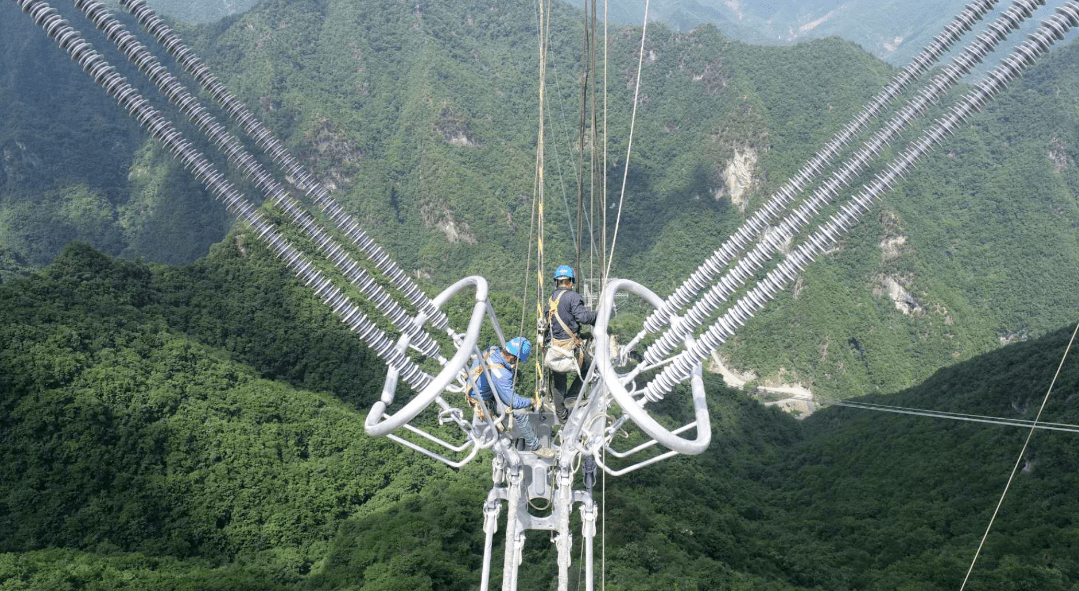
x: 566, y: 353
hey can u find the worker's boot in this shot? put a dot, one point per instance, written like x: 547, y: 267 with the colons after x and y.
x: 545, y: 453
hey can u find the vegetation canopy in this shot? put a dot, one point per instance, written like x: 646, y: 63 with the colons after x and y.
x: 177, y: 412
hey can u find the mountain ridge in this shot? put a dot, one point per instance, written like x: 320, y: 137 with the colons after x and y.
x: 420, y: 121
x: 894, y: 31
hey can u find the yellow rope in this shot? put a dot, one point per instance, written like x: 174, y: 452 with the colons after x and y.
x: 545, y: 24
x: 528, y: 261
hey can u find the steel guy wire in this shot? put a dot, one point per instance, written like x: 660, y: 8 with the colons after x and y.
x: 953, y: 416
x: 1026, y: 443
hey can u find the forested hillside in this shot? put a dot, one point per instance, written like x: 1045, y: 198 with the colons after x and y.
x: 74, y: 167
x: 201, y: 11
x: 893, y: 30
x: 423, y: 121
x: 200, y: 427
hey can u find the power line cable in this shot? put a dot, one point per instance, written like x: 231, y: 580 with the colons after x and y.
x: 1019, y: 459
x: 954, y: 416
x: 629, y: 144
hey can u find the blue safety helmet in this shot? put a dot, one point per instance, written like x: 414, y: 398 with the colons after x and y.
x: 519, y: 347
x: 565, y: 271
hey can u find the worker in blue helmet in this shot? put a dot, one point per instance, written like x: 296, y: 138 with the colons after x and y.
x: 567, y: 353
x: 501, y: 364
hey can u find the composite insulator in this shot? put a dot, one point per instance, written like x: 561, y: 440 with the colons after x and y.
x: 249, y: 167
x: 954, y: 29
x: 182, y: 151
x: 961, y: 25
x: 1056, y: 28
x: 1030, y: 6
x: 1010, y: 20
x: 1000, y: 78
x: 1070, y: 13
x: 1026, y: 54
x: 929, y: 56
x: 982, y: 49
x: 819, y: 241
x: 708, y: 271
x: 1041, y: 41
x: 839, y: 141
x: 995, y: 32
x: 676, y: 372
x: 934, y: 90
x: 959, y: 67
x: 860, y: 159
x: 1013, y: 66
x: 938, y: 136
x: 965, y: 64
x: 265, y: 139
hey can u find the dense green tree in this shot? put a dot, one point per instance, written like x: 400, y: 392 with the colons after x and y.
x: 145, y: 440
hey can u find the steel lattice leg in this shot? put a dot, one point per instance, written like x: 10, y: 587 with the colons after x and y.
x: 514, y: 538
x: 564, y: 541
x: 588, y: 531
x: 491, y: 510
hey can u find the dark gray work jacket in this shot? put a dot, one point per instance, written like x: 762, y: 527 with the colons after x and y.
x: 571, y: 310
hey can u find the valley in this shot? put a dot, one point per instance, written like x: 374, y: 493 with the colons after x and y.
x: 179, y: 411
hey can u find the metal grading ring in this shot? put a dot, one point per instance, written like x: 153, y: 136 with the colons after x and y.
x: 630, y: 406
x: 378, y: 428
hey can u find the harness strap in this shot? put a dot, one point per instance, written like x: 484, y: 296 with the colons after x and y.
x: 473, y: 383
x: 552, y: 310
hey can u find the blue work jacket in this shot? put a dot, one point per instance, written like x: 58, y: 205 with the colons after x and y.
x: 572, y: 311
x: 502, y: 372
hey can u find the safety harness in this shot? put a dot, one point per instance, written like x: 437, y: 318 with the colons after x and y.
x: 472, y: 396
x: 567, y: 347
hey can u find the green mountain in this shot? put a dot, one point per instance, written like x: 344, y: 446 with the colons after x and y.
x: 74, y: 167
x: 200, y: 427
x: 893, y: 30
x: 424, y: 121
x: 201, y: 11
